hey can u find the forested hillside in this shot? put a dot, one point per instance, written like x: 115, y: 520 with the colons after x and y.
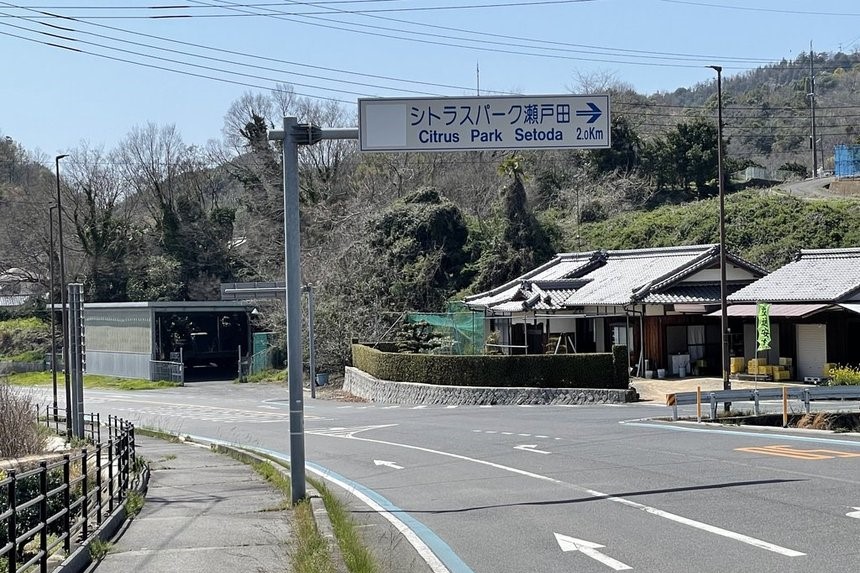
x: 156, y: 218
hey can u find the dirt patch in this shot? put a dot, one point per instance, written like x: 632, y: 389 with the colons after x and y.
x: 832, y: 421
x: 334, y: 391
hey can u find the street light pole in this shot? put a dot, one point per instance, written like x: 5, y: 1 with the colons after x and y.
x: 51, y: 300
x: 724, y: 320
x: 64, y: 310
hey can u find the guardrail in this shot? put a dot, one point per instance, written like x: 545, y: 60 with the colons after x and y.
x: 63, y: 500
x: 782, y: 393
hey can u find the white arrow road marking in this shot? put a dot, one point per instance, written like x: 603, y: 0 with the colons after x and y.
x: 530, y: 448
x: 590, y: 549
x: 599, y: 495
x: 391, y: 465
x: 855, y: 514
x: 340, y: 432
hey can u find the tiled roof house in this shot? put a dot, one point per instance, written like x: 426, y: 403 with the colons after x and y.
x: 815, y: 306
x: 589, y: 301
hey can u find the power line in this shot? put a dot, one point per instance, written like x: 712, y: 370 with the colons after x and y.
x: 508, y: 37
x: 249, y: 55
x: 209, y: 58
x: 164, y: 68
x: 445, y: 40
x: 768, y: 10
x: 456, y: 7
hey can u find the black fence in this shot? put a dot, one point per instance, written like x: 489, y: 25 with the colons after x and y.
x: 61, y: 501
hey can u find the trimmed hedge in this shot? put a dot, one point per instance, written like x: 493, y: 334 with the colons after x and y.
x: 598, y: 370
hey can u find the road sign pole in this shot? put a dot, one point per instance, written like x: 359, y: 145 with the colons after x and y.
x: 292, y: 266
x: 292, y: 136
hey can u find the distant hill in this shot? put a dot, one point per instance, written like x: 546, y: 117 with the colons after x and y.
x: 766, y: 111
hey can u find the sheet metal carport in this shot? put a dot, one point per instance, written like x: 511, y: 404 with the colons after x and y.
x: 122, y: 339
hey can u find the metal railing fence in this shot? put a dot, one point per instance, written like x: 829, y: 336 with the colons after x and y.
x: 806, y: 395
x: 167, y: 370
x: 62, y: 501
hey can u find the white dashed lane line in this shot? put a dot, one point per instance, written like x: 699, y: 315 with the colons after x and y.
x: 536, y: 436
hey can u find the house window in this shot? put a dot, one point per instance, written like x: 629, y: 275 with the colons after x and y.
x: 621, y: 335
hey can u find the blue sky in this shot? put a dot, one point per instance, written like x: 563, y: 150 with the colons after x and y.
x: 51, y: 98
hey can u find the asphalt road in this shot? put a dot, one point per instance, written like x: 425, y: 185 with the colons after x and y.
x: 551, y: 489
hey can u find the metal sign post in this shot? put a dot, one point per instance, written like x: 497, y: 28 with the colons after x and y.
x: 312, y: 366
x: 292, y: 136
x: 75, y: 366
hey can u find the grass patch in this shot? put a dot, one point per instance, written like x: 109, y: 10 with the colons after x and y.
x: 133, y: 503
x: 271, y: 474
x: 93, y: 381
x: 28, y: 356
x: 266, y: 376
x: 311, y: 553
x: 99, y: 549
x: 158, y: 434
x: 31, y: 323
x: 357, y: 557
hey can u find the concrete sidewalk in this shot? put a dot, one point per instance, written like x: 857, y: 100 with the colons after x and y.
x: 203, y: 512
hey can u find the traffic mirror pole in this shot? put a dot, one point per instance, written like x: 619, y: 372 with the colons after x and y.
x: 293, y: 135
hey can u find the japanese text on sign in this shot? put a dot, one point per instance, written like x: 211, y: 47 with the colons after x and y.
x: 442, y: 124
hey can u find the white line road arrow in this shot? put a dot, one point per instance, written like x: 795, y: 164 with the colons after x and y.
x: 391, y: 465
x: 530, y: 448
x: 590, y: 549
x: 855, y: 514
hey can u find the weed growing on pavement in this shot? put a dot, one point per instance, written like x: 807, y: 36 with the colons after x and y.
x: 311, y: 554
x: 133, y: 503
x: 268, y: 376
x: 357, y: 557
x: 99, y: 549
x: 158, y: 433
x: 274, y: 477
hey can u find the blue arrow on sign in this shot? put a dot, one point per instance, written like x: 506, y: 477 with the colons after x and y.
x: 595, y: 112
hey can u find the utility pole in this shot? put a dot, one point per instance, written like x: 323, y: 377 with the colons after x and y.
x: 63, y: 307
x: 478, y: 77
x: 724, y: 321
x: 811, y: 95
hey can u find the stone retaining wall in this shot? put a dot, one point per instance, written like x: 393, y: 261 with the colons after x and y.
x: 365, y: 386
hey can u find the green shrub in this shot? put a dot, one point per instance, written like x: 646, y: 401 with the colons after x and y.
x: 27, y: 356
x: 23, y: 324
x: 23, y: 335
x: 844, y: 376
x: 29, y: 488
x: 598, y: 370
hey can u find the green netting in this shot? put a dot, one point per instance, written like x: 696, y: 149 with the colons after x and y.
x: 461, y: 326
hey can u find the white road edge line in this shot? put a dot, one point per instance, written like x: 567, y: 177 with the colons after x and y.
x: 423, y: 550
x: 620, y: 500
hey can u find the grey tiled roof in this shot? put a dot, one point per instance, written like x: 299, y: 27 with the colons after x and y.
x: 13, y: 300
x: 561, y: 266
x: 821, y: 275
x: 690, y: 293
x: 611, y: 278
x: 626, y: 272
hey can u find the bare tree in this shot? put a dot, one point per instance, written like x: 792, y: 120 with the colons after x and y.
x: 101, y: 214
